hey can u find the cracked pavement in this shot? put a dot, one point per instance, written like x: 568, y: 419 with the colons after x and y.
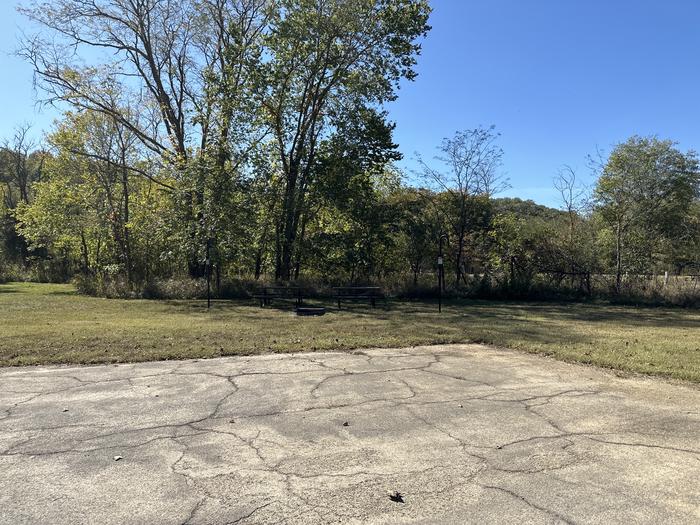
x: 465, y: 433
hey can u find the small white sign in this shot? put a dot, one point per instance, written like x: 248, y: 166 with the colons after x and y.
x: 439, y: 261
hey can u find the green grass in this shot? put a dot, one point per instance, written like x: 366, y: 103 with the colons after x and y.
x: 47, y: 323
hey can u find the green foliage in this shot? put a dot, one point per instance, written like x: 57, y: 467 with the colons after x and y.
x: 517, y: 242
x: 526, y: 208
x: 256, y: 145
x: 419, y: 227
x: 644, y: 199
x: 330, y: 64
x: 91, y: 213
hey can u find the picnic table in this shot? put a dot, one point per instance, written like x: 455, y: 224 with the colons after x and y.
x: 358, y: 293
x: 269, y: 293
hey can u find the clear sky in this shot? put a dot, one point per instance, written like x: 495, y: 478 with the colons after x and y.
x: 558, y: 78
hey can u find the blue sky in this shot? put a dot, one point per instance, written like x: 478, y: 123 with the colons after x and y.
x: 558, y: 78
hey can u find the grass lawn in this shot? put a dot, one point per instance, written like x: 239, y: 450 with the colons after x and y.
x: 47, y: 323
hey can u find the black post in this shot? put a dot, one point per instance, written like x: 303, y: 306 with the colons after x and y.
x: 208, y: 273
x: 440, y: 274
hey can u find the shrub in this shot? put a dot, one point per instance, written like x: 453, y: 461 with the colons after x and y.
x: 175, y: 288
x: 643, y: 290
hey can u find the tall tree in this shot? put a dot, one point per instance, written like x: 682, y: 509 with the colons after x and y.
x: 573, y: 256
x: 420, y: 226
x: 643, y: 195
x: 21, y: 166
x: 88, y: 208
x: 328, y: 58
x: 468, y: 174
x: 173, y: 73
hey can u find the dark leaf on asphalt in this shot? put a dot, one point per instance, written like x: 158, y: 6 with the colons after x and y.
x: 396, y: 497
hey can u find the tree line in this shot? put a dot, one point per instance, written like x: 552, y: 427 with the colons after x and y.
x: 246, y: 139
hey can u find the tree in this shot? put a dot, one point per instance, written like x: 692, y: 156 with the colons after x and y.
x: 174, y: 74
x: 88, y: 209
x: 517, y: 243
x: 352, y: 177
x: 21, y: 166
x: 66, y: 217
x: 573, y: 256
x: 643, y: 196
x: 420, y: 226
x: 328, y: 58
x: 468, y: 176
x: 572, y: 197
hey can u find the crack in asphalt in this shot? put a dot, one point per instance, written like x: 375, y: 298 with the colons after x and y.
x: 530, y: 504
x: 194, y: 510
x: 644, y: 445
x: 250, y: 514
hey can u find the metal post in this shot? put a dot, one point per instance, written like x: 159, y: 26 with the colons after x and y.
x: 208, y: 268
x: 441, y: 278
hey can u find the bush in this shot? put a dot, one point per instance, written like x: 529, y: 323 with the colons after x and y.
x: 642, y: 290
x: 174, y: 288
x: 114, y: 286
x: 12, y: 272
x: 105, y: 286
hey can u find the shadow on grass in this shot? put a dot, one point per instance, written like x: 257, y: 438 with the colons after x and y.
x: 37, y: 289
x: 62, y: 292
x: 496, y: 315
x: 565, y: 312
x: 239, y: 306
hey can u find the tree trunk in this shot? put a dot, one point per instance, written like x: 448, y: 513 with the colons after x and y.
x: 84, y: 250
x: 286, y: 248
x: 195, y: 266
x: 588, y: 283
x: 125, y: 222
x: 278, y: 252
x: 458, y: 261
x: 258, y: 263
x: 291, y: 213
x: 300, y: 247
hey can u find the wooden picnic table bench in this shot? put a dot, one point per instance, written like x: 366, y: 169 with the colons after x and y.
x: 269, y: 293
x: 358, y: 293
